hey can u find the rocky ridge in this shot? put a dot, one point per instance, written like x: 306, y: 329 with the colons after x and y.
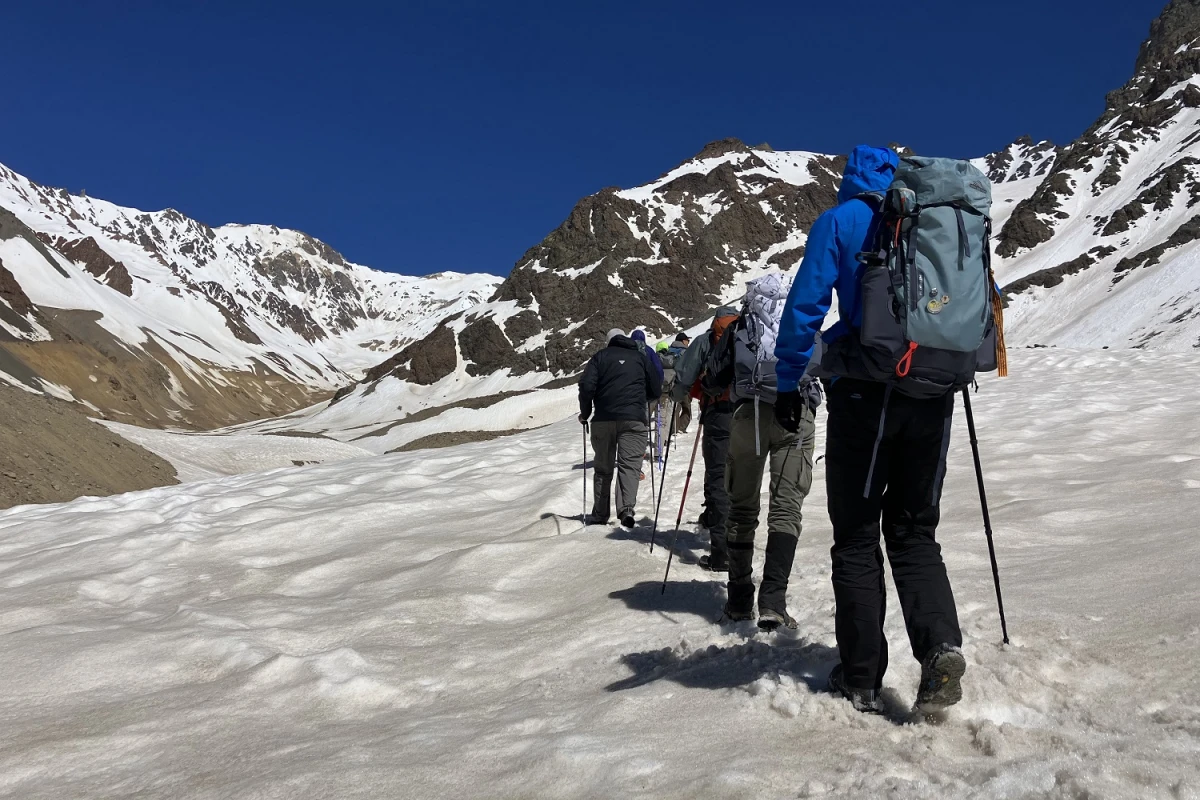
x: 1110, y: 231
x: 656, y: 256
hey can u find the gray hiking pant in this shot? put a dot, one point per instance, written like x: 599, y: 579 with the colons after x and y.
x: 683, y: 416
x: 791, y: 458
x: 619, y: 447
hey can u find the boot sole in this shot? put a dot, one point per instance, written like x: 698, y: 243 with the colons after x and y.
x: 946, y: 674
x: 769, y: 622
x: 736, y: 616
x: 838, y: 689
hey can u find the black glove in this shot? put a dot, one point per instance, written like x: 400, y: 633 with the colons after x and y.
x: 583, y: 420
x: 788, y: 407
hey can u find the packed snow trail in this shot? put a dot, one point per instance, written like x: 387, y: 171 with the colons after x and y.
x: 437, y: 623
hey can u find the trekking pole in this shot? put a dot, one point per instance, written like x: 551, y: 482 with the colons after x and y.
x: 585, y: 435
x: 662, y: 482
x: 679, y: 519
x: 987, y: 520
x: 650, y: 444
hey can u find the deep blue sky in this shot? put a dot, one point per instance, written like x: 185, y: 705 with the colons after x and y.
x: 425, y: 136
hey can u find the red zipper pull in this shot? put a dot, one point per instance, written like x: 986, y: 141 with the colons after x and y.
x: 905, y: 363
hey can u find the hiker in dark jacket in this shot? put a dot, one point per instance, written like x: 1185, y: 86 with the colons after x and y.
x: 716, y: 416
x: 639, y: 336
x: 882, y: 458
x: 618, y: 383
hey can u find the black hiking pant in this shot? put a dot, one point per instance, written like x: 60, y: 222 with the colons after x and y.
x: 903, y: 485
x: 716, y: 419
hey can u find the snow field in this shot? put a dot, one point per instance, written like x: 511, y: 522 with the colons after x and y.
x: 213, y: 454
x: 434, y: 624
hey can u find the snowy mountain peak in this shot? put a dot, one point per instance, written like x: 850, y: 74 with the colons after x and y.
x: 274, y: 304
x: 1021, y: 160
x: 1102, y: 251
x: 661, y: 254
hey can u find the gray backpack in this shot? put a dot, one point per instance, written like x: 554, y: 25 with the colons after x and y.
x: 927, y: 288
x: 753, y: 342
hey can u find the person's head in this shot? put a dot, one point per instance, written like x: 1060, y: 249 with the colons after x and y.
x: 614, y: 333
x: 722, y: 314
x: 638, y: 335
x: 661, y: 346
x: 682, y: 338
x: 721, y: 320
x: 868, y: 169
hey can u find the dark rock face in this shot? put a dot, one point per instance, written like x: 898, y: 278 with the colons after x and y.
x: 487, y: 349
x: 290, y: 316
x: 1137, y: 112
x: 12, y: 293
x: 622, y: 261
x: 1027, y: 227
x: 1023, y: 158
x: 1158, y: 195
x: 315, y: 247
x: 230, y: 308
x: 1053, y: 276
x: 521, y: 327
x: 95, y: 260
x: 425, y: 362
x: 1185, y: 233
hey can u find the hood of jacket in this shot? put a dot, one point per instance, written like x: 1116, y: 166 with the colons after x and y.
x: 724, y: 317
x: 868, y: 169
x: 623, y: 341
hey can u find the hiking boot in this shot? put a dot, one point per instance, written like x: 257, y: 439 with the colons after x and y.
x: 941, y: 679
x: 737, y: 613
x: 769, y: 619
x: 628, y: 521
x: 593, y: 519
x: 711, y: 564
x: 864, y: 700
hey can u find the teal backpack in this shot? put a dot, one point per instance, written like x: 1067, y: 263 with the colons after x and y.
x: 928, y: 299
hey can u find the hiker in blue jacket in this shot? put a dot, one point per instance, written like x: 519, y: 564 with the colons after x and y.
x: 901, y: 465
x: 639, y: 336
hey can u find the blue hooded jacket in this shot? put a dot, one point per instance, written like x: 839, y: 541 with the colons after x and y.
x: 639, y: 336
x: 830, y: 262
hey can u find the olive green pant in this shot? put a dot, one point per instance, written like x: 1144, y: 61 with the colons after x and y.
x: 752, y: 443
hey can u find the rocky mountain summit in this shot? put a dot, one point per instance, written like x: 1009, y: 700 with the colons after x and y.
x: 1102, y: 251
x: 656, y: 256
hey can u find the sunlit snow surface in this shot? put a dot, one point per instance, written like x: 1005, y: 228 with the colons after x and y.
x: 433, y: 624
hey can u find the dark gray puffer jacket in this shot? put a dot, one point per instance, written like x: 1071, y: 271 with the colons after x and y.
x: 619, y: 382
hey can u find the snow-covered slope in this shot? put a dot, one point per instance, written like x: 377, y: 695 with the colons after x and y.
x: 205, y: 302
x: 1103, y: 252
x: 436, y: 625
